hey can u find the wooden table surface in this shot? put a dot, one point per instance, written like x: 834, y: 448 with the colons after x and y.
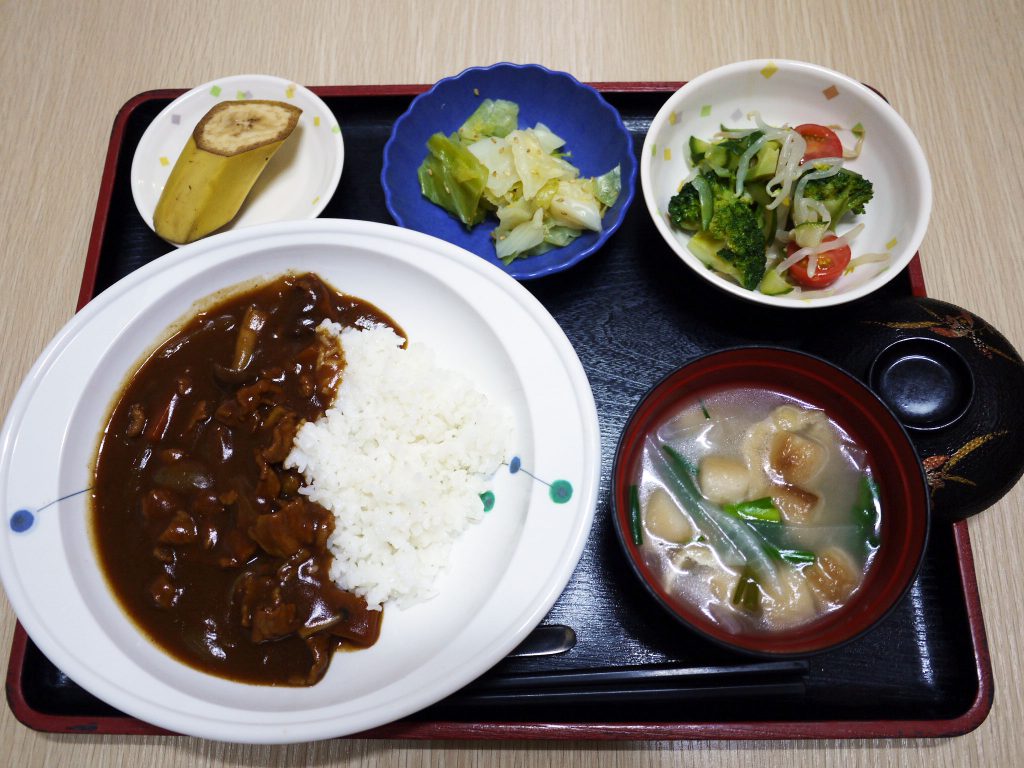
x: 953, y: 69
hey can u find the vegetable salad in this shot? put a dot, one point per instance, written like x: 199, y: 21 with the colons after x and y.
x: 752, y: 190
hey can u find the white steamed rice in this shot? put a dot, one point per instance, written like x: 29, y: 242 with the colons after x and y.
x: 401, y: 460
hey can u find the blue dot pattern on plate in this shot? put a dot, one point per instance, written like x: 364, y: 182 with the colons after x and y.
x: 560, y: 491
x: 23, y: 520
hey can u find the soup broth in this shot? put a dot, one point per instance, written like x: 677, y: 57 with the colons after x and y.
x: 757, y: 509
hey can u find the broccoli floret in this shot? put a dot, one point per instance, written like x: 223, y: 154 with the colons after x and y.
x: 742, y: 232
x: 721, y: 188
x: 737, y: 225
x: 734, y: 240
x: 684, y: 208
x: 733, y: 244
x: 843, y: 192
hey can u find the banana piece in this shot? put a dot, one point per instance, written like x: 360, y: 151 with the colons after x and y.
x: 219, y: 165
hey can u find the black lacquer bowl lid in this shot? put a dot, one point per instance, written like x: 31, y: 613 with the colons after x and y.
x: 954, y: 382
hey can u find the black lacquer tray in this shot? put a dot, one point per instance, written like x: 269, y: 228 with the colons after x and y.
x: 633, y: 312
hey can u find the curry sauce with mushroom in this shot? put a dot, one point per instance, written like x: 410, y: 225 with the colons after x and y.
x: 203, y: 535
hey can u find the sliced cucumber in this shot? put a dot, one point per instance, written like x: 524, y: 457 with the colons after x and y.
x: 706, y: 248
x: 765, y: 163
x: 698, y: 149
x: 774, y: 284
x: 718, y: 158
x: 757, y: 193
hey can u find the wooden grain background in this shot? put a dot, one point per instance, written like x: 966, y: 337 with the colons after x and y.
x: 952, y: 68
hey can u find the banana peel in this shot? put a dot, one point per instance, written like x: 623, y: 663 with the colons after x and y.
x: 219, y: 165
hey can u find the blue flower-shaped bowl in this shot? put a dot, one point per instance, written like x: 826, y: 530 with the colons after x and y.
x: 593, y: 131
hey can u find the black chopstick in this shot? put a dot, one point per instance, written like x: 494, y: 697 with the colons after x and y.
x: 625, y: 695
x: 637, y: 676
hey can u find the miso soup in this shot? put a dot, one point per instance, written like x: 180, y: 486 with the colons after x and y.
x: 757, y: 509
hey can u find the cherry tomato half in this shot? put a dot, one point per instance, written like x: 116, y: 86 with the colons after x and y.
x: 821, y: 141
x: 830, y: 267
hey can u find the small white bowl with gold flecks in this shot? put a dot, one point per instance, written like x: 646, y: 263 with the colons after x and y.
x: 793, y: 93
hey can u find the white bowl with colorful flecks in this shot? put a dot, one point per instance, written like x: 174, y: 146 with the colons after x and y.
x: 792, y: 93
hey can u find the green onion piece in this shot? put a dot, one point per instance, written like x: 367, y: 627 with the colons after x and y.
x: 704, y: 410
x: 865, y: 511
x: 635, y: 526
x: 686, y: 471
x: 747, y: 594
x: 777, y: 543
x: 763, y: 510
x: 794, y: 556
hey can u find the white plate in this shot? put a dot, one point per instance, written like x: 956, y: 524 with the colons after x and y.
x: 792, y: 93
x: 505, y: 573
x: 298, y: 181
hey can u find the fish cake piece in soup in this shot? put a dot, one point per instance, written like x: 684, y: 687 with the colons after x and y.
x: 795, y: 504
x: 797, y: 458
x: 833, y: 577
x: 663, y: 518
x: 723, y: 480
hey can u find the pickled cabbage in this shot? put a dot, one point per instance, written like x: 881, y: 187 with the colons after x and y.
x: 492, y: 118
x: 522, y: 176
x: 453, y: 178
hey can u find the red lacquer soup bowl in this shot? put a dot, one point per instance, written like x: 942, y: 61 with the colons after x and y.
x: 897, y: 471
